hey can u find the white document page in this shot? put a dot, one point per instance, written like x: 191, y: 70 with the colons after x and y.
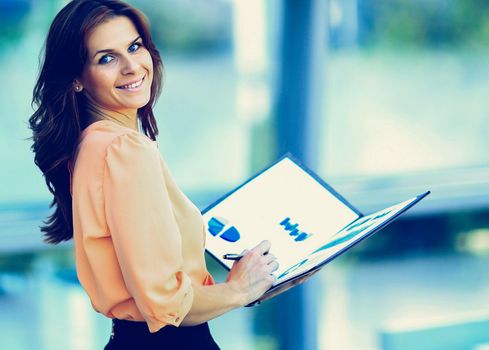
x: 342, y: 239
x: 284, y: 205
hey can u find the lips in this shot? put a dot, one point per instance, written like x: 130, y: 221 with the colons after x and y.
x: 132, y: 85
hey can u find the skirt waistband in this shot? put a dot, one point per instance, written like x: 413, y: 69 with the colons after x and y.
x: 137, y: 332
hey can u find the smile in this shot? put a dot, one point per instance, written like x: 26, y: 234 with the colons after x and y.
x: 131, y: 86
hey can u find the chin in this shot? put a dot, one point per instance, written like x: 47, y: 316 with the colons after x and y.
x: 138, y: 104
x: 143, y: 104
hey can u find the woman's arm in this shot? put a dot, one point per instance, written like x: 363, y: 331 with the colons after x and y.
x: 148, y: 244
x: 248, y: 279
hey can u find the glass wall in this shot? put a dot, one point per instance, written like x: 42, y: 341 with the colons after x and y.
x: 407, y: 86
x: 406, y: 94
x: 405, y: 111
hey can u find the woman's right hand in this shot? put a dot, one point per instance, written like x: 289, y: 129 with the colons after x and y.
x: 252, y: 275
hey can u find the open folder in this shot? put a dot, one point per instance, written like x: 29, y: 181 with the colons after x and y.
x: 307, y: 222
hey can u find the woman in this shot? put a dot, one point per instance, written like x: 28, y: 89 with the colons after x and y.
x: 139, y: 242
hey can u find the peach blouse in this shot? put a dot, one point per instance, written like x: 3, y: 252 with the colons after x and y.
x: 139, y: 241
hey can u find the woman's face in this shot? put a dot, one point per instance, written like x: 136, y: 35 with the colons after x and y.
x: 119, y: 69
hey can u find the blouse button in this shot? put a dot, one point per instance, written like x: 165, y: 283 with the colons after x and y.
x: 177, y: 319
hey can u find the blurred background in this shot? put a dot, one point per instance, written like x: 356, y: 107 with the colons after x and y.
x: 383, y: 99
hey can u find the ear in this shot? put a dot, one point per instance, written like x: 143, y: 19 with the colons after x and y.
x: 77, y: 86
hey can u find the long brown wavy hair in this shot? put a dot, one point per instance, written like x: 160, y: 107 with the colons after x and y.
x: 61, y: 113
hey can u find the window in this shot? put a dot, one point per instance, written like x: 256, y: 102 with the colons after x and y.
x: 405, y: 99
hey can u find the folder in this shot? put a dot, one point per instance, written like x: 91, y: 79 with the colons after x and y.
x: 307, y: 222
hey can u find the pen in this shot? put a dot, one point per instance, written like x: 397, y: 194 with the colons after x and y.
x: 232, y: 256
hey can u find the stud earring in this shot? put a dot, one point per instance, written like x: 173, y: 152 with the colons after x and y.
x: 78, y: 88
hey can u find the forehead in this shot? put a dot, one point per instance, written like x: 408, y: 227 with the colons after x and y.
x: 114, y: 33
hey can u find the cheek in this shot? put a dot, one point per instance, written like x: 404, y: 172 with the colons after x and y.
x: 103, y: 82
x: 148, y: 63
x: 99, y: 81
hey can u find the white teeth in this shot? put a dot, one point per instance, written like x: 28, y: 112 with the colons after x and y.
x: 132, y: 86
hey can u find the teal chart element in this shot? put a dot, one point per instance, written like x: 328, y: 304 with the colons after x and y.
x: 219, y: 227
x: 294, y: 231
x: 351, y: 231
x: 354, y: 229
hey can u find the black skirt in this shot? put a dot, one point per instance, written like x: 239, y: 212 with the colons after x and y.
x: 135, y: 335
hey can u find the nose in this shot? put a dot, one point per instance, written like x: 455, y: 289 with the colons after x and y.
x: 129, y: 65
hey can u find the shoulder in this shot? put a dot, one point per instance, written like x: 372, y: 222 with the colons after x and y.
x: 105, y: 137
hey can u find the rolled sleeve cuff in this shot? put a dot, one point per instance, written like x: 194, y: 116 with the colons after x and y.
x: 174, y: 318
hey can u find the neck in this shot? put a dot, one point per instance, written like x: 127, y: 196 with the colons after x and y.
x: 127, y: 119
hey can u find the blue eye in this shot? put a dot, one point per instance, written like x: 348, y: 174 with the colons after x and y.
x: 134, y: 47
x: 105, y: 59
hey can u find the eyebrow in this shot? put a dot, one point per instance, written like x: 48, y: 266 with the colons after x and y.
x: 110, y: 50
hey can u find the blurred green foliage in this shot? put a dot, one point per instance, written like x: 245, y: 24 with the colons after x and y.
x: 189, y: 26
x: 20, y: 263
x: 419, y: 23
x: 60, y: 258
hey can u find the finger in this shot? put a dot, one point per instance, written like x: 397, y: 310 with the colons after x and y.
x: 273, y: 266
x: 245, y: 252
x: 272, y: 279
x: 263, y: 247
x: 268, y: 258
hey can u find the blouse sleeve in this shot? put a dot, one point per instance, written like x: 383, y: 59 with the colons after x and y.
x: 144, y: 231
